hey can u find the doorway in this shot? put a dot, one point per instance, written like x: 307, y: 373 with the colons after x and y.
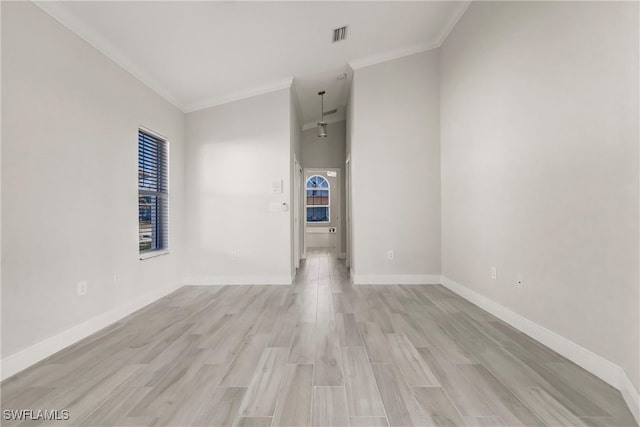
x: 323, y: 221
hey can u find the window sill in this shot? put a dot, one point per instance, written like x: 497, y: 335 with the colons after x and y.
x: 153, y: 254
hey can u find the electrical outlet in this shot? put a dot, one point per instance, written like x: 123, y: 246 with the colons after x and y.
x: 116, y: 279
x: 390, y: 255
x: 234, y: 255
x: 82, y: 288
x: 494, y: 272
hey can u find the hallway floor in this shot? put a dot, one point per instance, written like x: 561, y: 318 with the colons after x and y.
x: 321, y: 352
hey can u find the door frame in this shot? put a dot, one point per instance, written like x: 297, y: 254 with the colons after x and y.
x: 338, y: 226
x: 297, y: 212
x: 347, y: 199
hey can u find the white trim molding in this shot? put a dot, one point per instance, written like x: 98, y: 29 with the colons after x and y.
x: 435, y: 43
x: 70, y: 20
x: 240, y: 95
x: 607, y: 371
x: 630, y: 394
x: 357, y: 64
x: 397, y: 279
x: 23, y: 359
x: 64, y: 16
x: 238, y: 280
x: 452, y: 22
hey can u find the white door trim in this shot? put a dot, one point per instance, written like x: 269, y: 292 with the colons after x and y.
x: 347, y: 199
x: 297, y: 188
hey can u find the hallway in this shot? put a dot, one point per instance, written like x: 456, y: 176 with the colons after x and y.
x: 321, y: 352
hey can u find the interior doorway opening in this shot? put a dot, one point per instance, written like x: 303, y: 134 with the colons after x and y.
x: 322, y: 213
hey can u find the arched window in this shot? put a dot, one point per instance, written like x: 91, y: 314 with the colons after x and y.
x: 318, y: 190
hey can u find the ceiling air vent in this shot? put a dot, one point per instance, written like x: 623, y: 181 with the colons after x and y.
x: 339, y: 34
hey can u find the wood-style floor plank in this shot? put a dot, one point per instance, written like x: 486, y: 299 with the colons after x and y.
x: 485, y: 422
x: 348, y: 330
x: 260, y: 399
x: 549, y: 409
x: 328, y: 358
x: 222, y: 408
x: 369, y: 422
x: 415, y: 370
x: 320, y: 352
x: 295, y: 396
x: 303, y: 344
x: 507, y: 406
x: 242, y: 368
x: 469, y: 400
x: 375, y: 342
x: 394, y: 405
x: 330, y: 407
x: 253, y: 422
x: 362, y: 393
x: 437, y: 407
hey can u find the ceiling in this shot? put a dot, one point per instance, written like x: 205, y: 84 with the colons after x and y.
x: 199, y: 54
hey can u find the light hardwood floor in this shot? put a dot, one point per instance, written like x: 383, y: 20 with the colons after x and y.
x: 321, y: 352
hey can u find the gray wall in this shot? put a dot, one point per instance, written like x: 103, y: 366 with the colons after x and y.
x: 540, y: 166
x: 395, y: 154
x: 234, y: 152
x: 70, y: 121
x: 329, y: 152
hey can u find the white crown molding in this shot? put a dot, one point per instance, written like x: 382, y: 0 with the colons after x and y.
x: 357, y: 64
x: 397, y: 279
x: 23, y: 359
x: 607, y: 371
x: 60, y: 13
x: 452, y: 21
x: 312, y: 125
x: 238, y: 280
x: 237, y: 96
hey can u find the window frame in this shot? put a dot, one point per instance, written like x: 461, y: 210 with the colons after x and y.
x: 163, y: 207
x: 328, y: 205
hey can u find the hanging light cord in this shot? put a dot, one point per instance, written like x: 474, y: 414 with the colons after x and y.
x: 322, y: 126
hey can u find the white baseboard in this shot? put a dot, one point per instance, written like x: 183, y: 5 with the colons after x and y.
x: 237, y: 280
x: 607, y: 371
x: 630, y: 394
x: 23, y: 359
x: 397, y: 279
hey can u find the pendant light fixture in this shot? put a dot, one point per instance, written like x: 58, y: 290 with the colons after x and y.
x: 322, y: 125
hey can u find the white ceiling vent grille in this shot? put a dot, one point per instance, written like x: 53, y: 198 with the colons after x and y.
x: 339, y: 34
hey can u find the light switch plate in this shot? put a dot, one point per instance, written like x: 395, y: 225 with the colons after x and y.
x: 276, y: 187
